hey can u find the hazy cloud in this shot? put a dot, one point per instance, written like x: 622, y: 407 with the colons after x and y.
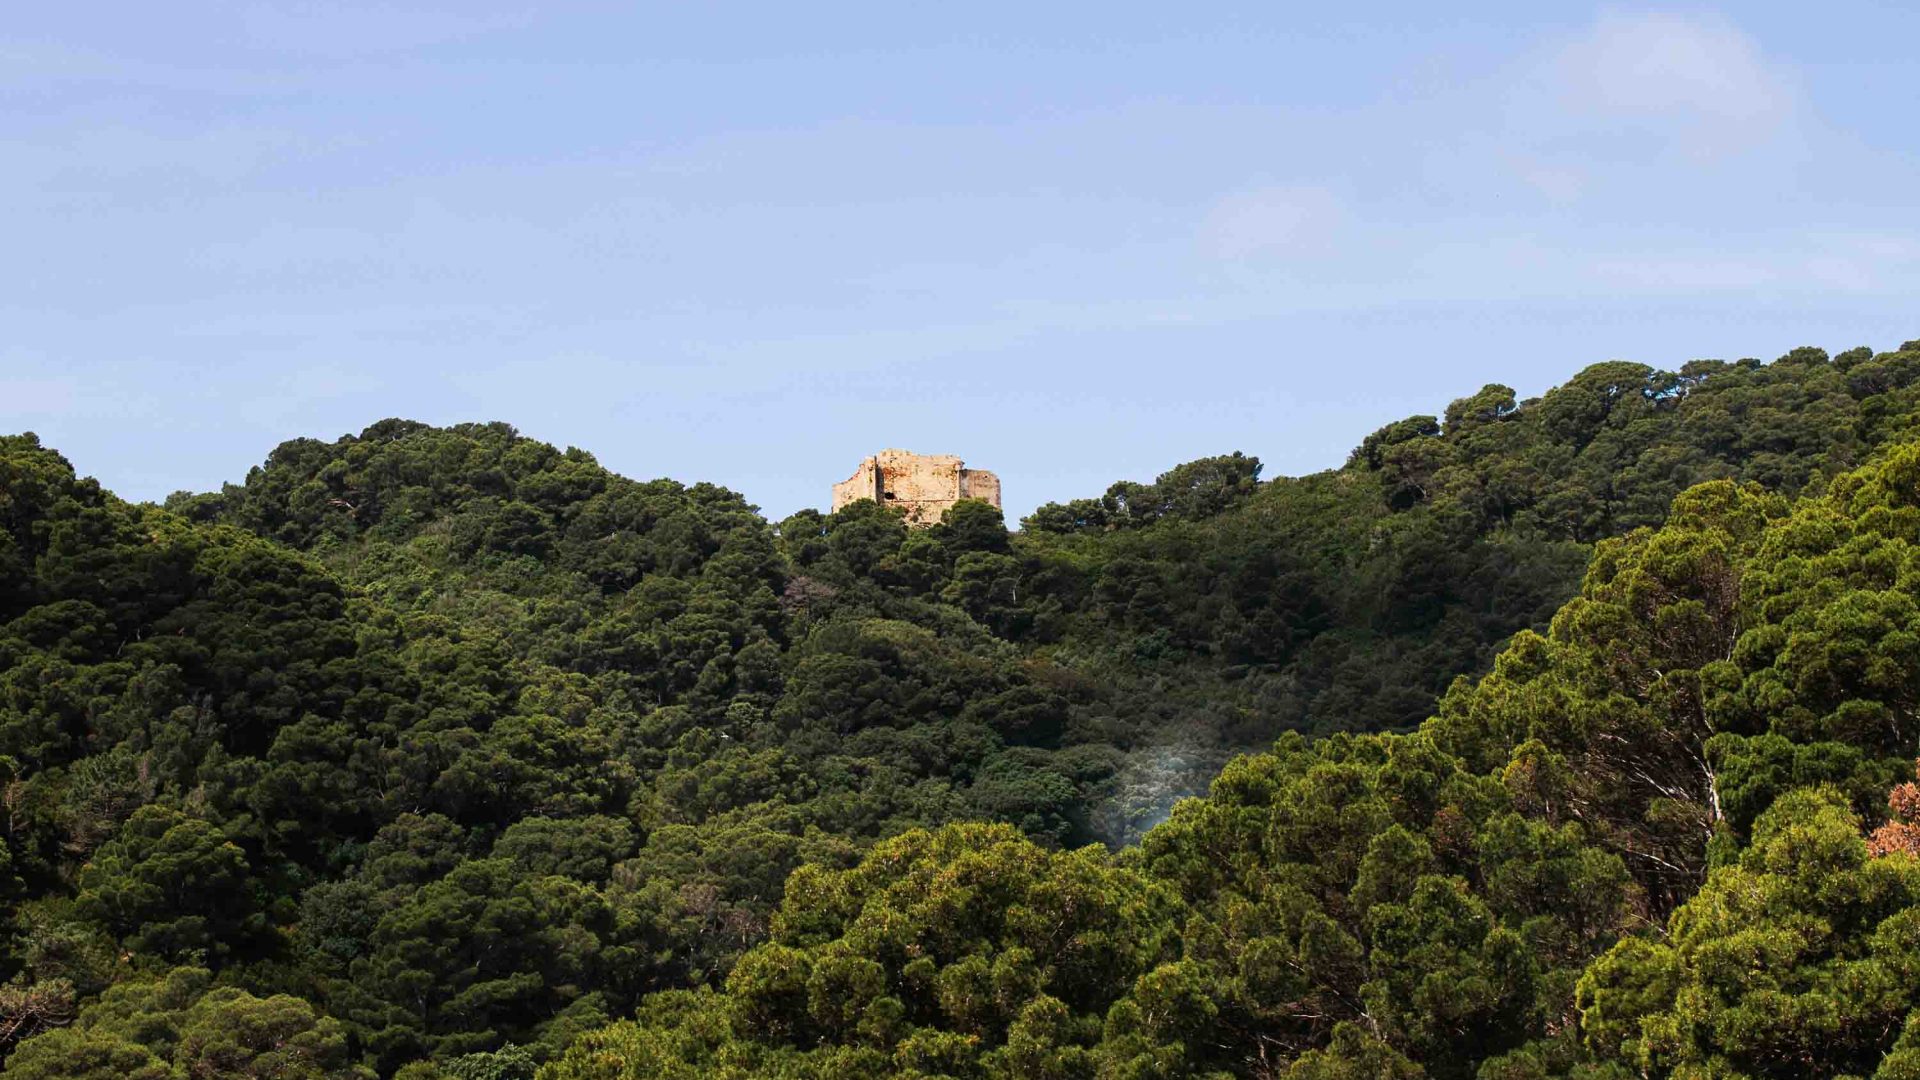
x: 1695, y: 80
x: 338, y: 29
x: 1688, y: 272
x: 34, y: 392
x: 1813, y: 262
x: 1271, y: 221
x: 25, y: 398
x: 1559, y: 182
x: 1866, y: 262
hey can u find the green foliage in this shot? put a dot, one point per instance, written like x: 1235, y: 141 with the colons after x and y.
x: 439, y: 751
x: 1796, y: 960
x: 169, y: 886
x: 1347, y: 600
x: 967, y: 951
x: 1691, y: 744
x: 175, y: 1028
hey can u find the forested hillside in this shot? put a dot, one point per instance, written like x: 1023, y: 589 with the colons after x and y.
x: 439, y: 752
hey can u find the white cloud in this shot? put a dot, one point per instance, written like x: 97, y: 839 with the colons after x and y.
x: 36, y: 391
x: 316, y: 28
x: 1689, y: 272
x: 1271, y: 221
x: 1804, y: 262
x: 29, y: 397
x: 1865, y: 263
x: 1558, y: 182
x: 1695, y: 80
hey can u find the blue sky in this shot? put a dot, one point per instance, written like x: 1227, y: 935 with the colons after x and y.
x: 1070, y: 242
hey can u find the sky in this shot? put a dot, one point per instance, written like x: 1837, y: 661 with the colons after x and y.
x: 1072, y: 243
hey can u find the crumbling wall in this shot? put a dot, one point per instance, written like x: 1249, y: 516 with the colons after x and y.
x: 924, y: 485
x: 863, y: 484
x: 980, y: 484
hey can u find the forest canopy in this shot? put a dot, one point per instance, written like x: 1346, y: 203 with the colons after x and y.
x: 1562, y: 737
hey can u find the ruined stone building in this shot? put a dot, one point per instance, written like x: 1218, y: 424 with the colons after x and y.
x: 923, y: 484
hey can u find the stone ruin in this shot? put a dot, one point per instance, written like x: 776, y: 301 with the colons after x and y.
x: 924, y: 485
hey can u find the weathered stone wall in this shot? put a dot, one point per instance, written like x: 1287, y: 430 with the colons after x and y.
x: 924, y: 485
x: 980, y: 484
x: 863, y: 484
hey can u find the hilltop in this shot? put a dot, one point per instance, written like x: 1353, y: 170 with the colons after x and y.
x: 431, y: 749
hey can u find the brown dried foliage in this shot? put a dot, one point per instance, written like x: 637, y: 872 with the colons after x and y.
x: 1902, y: 834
